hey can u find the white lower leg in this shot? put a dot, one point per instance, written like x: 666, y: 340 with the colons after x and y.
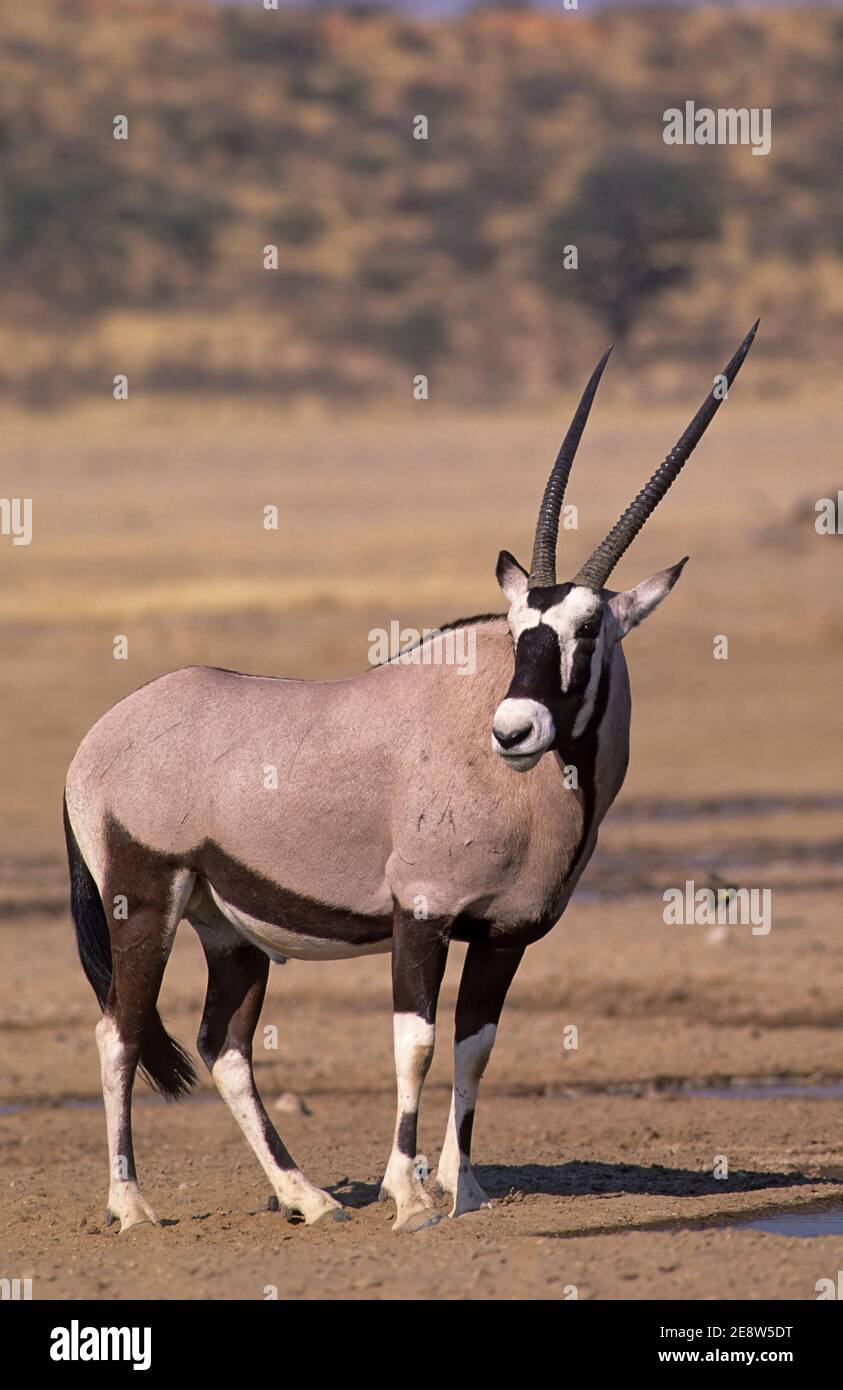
x: 232, y: 1073
x: 414, y: 1039
x: 454, y: 1174
x: 125, y: 1203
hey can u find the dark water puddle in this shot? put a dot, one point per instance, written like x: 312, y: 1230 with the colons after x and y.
x: 826, y: 1221
x: 804, y: 1223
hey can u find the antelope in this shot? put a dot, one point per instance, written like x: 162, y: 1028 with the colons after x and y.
x: 413, y: 807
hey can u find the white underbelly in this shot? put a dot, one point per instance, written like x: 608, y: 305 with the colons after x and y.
x: 280, y: 943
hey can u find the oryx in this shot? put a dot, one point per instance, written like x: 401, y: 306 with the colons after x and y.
x: 413, y: 807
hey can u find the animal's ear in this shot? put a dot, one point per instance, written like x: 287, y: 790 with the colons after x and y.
x: 634, y: 605
x: 512, y: 578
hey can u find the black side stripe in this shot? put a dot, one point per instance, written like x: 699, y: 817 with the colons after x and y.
x: 584, y: 760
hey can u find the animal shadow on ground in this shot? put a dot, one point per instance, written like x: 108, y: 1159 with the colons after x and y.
x: 582, y: 1179
x: 577, y: 1179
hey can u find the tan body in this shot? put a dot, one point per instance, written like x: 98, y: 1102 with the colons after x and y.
x: 379, y: 799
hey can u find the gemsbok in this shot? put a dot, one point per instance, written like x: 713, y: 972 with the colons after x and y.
x: 399, y: 823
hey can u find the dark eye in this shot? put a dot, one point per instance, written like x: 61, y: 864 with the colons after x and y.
x: 590, y: 628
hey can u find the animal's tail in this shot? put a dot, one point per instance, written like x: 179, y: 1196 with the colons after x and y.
x: 163, y: 1062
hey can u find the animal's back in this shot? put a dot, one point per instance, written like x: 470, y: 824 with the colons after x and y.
x: 353, y: 792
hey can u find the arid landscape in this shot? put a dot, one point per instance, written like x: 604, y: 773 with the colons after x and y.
x: 162, y: 385
x: 248, y: 129
x: 148, y: 524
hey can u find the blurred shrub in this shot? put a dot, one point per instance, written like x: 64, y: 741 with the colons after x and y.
x: 299, y: 225
x: 417, y: 338
x: 635, y: 220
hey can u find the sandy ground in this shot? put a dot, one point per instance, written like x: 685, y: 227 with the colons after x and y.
x: 599, y: 1160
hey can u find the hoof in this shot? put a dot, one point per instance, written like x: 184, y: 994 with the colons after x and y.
x: 133, y: 1211
x: 465, y: 1194
x: 468, y: 1206
x: 317, y: 1208
x: 417, y: 1198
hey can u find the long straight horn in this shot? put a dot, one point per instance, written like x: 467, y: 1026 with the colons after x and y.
x: 597, y: 569
x: 543, y: 567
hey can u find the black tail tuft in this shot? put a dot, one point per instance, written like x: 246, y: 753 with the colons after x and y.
x: 164, y: 1062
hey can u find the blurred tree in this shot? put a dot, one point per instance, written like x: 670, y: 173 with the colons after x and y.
x: 634, y: 220
x: 418, y: 337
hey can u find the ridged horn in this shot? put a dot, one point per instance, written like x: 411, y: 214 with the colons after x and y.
x: 599, y: 566
x: 543, y: 566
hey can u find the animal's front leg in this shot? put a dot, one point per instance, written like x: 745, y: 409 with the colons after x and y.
x: 419, y: 952
x: 487, y: 974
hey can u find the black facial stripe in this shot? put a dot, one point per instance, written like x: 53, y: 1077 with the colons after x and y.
x: 537, y: 665
x: 581, y: 667
x: 538, y: 658
x: 585, y: 757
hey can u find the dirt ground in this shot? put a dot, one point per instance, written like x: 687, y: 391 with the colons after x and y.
x: 600, y: 1158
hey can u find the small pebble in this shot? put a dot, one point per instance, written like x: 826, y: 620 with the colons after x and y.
x: 290, y: 1104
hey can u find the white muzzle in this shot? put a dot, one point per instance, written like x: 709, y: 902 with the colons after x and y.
x: 521, y: 731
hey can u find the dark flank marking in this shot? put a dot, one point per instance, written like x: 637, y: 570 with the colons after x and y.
x: 142, y: 875
x: 260, y: 897
x: 146, y: 875
x: 406, y: 1139
x: 464, y: 1136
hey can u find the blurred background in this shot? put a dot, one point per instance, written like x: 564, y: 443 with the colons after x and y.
x: 397, y: 255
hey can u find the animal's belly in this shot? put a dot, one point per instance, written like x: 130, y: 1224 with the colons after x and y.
x: 328, y: 933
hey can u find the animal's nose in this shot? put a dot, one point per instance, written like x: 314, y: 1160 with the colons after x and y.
x: 513, y: 738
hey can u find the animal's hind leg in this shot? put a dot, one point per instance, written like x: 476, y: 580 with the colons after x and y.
x: 130, y: 1027
x: 237, y: 976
